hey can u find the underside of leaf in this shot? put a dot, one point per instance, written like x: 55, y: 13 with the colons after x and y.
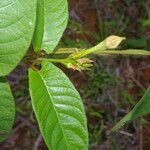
x: 58, y: 109
x: 52, y: 18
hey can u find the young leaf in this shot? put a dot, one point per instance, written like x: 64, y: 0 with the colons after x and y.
x: 52, y: 18
x: 17, y: 20
x: 110, y: 42
x: 58, y: 109
x: 7, y: 110
x: 141, y: 108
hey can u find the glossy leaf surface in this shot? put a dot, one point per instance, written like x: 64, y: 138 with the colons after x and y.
x: 58, y: 109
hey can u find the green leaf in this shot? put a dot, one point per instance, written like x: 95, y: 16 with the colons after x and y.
x: 7, y: 110
x: 52, y: 18
x: 17, y: 21
x: 58, y: 109
x: 137, y: 43
x: 141, y: 108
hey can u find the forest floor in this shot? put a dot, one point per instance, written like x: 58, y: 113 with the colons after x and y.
x: 109, y: 90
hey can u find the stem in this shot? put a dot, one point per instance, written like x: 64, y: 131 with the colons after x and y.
x: 66, y: 51
x: 124, y: 52
x: 107, y: 52
x: 83, y: 53
x: 54, y: 60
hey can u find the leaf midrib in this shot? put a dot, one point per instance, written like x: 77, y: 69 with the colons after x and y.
x: 54, y: 109
x: 43, y: 23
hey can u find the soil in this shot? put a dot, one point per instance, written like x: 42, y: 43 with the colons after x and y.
x: 91, y: 15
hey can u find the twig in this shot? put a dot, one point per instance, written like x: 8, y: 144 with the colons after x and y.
x: 37, y: 142
x: 126, y: 133
x: 141, y: 137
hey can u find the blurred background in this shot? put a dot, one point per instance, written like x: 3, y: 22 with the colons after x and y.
x: 109, y: 90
